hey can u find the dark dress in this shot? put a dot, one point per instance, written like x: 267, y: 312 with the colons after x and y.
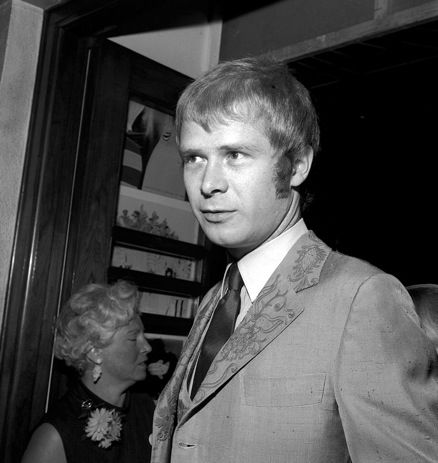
x: 71, y: 414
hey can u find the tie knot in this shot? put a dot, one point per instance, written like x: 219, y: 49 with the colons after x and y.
x: 235, y: 281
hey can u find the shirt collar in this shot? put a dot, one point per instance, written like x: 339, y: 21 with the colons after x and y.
x: 257, y: 266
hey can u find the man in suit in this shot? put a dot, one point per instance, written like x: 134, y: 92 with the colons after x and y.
x: 326, y: 362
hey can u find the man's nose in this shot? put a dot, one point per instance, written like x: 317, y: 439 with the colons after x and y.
x: 214, y: 179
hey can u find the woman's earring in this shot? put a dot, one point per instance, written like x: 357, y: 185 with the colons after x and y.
x: 97, y: 372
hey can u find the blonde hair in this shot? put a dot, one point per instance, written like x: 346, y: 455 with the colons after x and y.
x: 425, y: 298
x: 256, y: 89
x: 90, y: 318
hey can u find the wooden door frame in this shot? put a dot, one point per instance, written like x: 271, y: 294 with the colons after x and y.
x: 43, y: 266
x: 54, y: 219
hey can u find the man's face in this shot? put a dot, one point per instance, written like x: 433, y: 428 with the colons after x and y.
x: 229, y: 176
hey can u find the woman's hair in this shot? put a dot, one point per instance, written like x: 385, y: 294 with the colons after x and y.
x: 90, y: 318
x: 255, y: 90
x: 425, y: 299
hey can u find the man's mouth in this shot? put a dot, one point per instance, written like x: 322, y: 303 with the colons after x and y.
x: 216, y: 215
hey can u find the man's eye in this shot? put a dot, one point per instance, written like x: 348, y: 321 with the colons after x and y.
x: 191, y: 159
x: 235, y: 155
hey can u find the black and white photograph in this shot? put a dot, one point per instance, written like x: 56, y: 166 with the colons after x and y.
x: 217, y: 239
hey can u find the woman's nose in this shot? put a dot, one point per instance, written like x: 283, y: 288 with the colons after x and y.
x: 146, y: 347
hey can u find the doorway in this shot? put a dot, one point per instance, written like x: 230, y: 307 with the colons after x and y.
x: 375, y: 177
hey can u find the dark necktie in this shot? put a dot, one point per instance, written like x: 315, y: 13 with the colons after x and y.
x: 221, y: 326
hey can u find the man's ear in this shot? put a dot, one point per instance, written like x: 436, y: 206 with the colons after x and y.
x: 301, y: 167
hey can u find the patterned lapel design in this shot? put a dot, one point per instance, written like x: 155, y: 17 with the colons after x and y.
x: 166, y: 409
x: 274, y: 309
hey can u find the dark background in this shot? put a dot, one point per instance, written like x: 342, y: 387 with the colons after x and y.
x: 375, y: 177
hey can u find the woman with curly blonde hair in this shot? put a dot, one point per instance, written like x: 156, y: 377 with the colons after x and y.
x: 100, y: 334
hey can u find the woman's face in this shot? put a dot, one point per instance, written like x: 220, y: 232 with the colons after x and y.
x: 124, y: 360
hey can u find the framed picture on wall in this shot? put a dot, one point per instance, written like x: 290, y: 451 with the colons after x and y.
x: 150, y: 158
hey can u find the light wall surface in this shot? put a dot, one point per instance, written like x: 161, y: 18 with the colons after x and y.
x: 190, y: 50
x: 16, y: 93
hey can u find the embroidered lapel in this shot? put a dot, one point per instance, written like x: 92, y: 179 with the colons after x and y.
x: 274, y: 309
x: 165, y: 411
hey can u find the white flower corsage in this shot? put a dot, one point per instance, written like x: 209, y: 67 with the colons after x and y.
x: 104, y: 426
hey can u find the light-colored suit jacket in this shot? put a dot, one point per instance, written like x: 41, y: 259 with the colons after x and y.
x: 329, y: 364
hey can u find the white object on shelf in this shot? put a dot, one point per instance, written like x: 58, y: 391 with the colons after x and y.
x: 160, y: 215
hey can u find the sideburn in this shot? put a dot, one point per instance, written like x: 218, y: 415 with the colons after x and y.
x: 282, y: 173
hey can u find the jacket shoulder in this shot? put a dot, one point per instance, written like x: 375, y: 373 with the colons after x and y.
x: 348, y: 276
x: 340, y: 265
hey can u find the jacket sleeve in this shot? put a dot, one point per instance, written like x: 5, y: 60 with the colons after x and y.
x: 385, y: 378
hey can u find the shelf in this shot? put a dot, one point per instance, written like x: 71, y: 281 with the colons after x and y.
x: 146, y: 241
x: 156, y: 283
x: 161, y: 324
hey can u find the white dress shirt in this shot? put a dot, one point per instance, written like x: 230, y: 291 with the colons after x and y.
x: 257, y: 266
